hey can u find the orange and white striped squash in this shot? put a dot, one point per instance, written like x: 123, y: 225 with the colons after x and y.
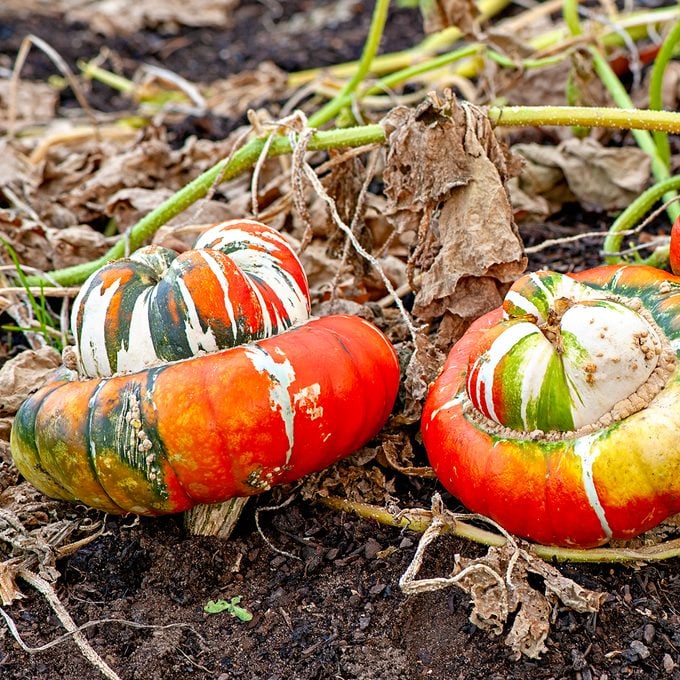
x: 240, y: 282
x: 154, y: 436
x: 557, y: 414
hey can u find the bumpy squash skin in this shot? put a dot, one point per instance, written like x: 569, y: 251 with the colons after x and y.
x: 612, y: 484
x: 208, y: 428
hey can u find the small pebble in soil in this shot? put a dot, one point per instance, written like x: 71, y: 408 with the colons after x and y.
x: 639, y: 649
x: 668, y: 664
x: 371, y: 549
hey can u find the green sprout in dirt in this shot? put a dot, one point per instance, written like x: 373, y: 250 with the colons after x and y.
x: 231, y: 607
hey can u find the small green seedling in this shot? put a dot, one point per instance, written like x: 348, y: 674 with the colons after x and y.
x: 218, y: 606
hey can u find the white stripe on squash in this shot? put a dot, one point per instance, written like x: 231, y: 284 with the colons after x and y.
x: 281, y: 376
x: 139, y: 338
x: 587, y: 450
x: 91, y: 345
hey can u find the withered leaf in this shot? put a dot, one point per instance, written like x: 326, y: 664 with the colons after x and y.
x: 129, y: 205
x: 233, y: 96
x: 75, y: 245
x: 24, y: 374
x: 500, y: 588
x: 440, y: 14
x: 444, y: 179
x: 35, y: 102
x: 531, y: 624
x: 604, y: 178
x: 129, y: 16
x: 421, y: 370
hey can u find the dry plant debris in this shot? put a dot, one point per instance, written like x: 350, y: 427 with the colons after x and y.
x: 444, y: 180
x: 577, y: 170
x: 500, y: 588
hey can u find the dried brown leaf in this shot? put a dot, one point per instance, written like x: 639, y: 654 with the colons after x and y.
x: 129, y: 205
x: 599, y: 177
x: 233, y: 96
x: 440, y: 14
x: 422, y: 368
x: 35, y: 102
x: 24, y: 374
x: 444, y: 179
x: 76, y: 245
x: 112, y: 17
x: 352, y: 478
x: 533, y: 608
x: 500, y: 588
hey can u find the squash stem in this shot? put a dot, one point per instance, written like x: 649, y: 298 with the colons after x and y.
x: 217, y: 520
x: 419, y: 520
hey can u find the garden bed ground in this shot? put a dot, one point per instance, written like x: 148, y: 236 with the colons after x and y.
x: 322, y: 585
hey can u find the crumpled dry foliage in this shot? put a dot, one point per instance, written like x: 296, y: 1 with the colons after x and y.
x: 24, y: 374
x: 233, y: 96
x: 440, y: 14
x: 493, y: 604
x: 600, y: 178
x: 444, y: 180
x: 35, y: 102
x: 502, y: 588
x: 33, y: 537
x: 77, y: 182
x: 112, y: 17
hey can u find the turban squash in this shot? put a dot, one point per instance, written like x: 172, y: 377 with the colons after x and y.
x: 201, y: 379
x: 558, y: 414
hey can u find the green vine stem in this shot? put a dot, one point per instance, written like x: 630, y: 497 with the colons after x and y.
x: 656, y: 88
x: 246, y: 157
x: 226, y: 169
x: 632, y: 215
x: 419, y: 520
x: 331, y: 108
x: 397, y: 60
x: 621, y: 98
x: 636, y: 24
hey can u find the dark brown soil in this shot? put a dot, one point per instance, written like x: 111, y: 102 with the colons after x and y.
x: 334, y: 610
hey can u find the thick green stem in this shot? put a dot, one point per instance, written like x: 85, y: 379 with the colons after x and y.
x: 656, y: 88
x: 632, y: 215
x: 419, y: 521
x: 331, y: 109
x: 623, y: 119
x: 643, y: 138
x: 610, y: 80
x: 245, y: 158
